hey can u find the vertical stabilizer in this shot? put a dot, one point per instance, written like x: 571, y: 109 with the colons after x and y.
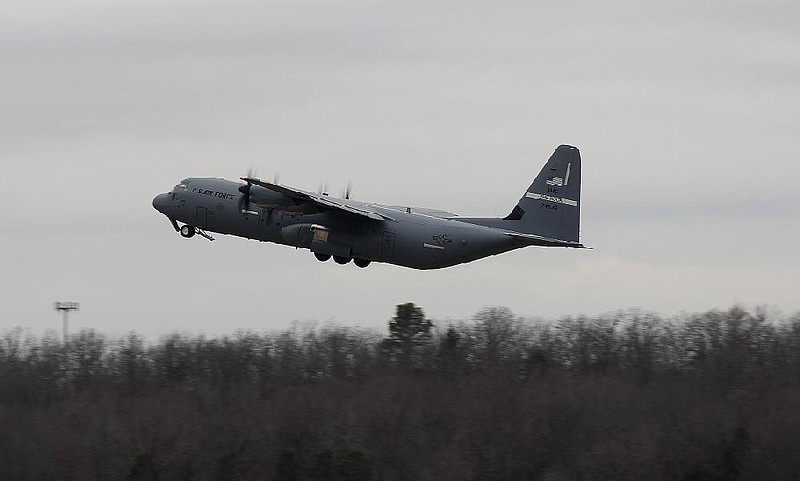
x: 551, y: 205
x: 549, y: 211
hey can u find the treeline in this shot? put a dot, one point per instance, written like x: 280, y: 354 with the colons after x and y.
x: 632, y: 395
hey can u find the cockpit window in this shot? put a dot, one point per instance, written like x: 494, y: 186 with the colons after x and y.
x: 184, y: 185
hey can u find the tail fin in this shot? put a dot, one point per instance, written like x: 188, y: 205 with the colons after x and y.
x: 552, y: 204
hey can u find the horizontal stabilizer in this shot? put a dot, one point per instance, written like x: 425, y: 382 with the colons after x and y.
x: 538, y: 240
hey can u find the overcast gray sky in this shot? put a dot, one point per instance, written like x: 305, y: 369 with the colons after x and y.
x: 686, y: 114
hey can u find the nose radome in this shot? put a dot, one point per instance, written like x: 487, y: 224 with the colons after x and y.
x: 161, y: 203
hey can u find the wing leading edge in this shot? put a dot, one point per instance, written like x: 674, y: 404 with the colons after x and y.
x: 323, y: 201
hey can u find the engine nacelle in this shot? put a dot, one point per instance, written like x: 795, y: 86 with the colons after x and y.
x: 302, y: 235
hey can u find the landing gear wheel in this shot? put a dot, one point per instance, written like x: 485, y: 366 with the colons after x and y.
x: 322, y: 257
x: 341, y: 260
x: 188, y: 231
x: 362, y: 263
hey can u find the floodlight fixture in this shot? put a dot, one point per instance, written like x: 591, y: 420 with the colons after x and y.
x: 66, y: 308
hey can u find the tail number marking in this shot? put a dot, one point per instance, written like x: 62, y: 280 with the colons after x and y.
x: 550, y: 198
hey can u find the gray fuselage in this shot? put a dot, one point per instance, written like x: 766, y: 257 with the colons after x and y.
x: 406, y: 238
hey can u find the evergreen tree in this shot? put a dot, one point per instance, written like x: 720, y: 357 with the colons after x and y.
x: 408, y: 331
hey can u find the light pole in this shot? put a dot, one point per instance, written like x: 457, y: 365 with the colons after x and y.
x: 66, y: 308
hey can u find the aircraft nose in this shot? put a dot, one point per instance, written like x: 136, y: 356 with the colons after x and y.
x: 161, y: 203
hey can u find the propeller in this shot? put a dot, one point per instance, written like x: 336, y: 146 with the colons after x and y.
x: 323, y: 188
x: 348, y: 190
x: 244, y: 203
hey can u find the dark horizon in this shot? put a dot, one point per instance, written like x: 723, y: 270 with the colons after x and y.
x: 630, y: 397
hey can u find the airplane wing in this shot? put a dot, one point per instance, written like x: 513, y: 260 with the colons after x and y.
x: 537, y: 240
x: 331, y: 203
x: 442, y: 214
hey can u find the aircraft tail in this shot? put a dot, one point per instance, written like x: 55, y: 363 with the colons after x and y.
x: 548, y: 213
x: 551, y: 206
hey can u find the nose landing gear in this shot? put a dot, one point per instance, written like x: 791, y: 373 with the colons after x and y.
x: 188, y: 231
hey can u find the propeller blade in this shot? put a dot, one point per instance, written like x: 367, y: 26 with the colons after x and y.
x: 244, y: 202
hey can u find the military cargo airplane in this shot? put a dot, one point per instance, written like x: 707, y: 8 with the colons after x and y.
x: 547, y: 215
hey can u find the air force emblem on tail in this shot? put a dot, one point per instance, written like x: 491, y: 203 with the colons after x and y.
x: 560, y: 181
x: 555, y: 181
